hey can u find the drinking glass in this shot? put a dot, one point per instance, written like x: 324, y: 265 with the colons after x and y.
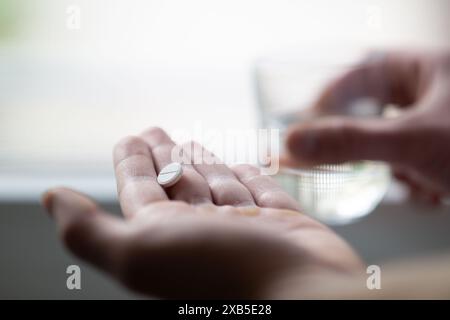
x: 286, y: 88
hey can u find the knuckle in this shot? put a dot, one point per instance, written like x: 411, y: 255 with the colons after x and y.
x: 162, y: 148
x: 276, y: 199
x: 129, y: 141
x: 268, y: 199
x: 229, y: 191
x: 259, y: 181
x: 156, y: 133
x: 129, y: 145
x: 222, y: 185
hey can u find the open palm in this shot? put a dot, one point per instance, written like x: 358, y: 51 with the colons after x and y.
x: 217, y: 233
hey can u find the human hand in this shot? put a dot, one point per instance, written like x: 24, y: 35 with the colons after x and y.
x: 415, y: 143
x: 217, y: 233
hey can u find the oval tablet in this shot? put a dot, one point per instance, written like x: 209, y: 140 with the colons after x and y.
x: 170, y: 174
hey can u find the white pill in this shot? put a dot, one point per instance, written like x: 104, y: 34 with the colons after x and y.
x: 170, y: 174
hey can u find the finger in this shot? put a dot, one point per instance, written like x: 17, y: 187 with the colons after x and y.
x: 192, y: 187
x: 419, y: 190
x: 226, y: 189
x: 391, y: 77
x: 265, y: 190
x: 423, y: 196
x: 86, y: 230
x: 343, y: 139
x: 404, y: 175
x: 136, y: 176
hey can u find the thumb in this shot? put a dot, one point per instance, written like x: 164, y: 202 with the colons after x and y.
x: 335, y: 140
x: 86, y: 230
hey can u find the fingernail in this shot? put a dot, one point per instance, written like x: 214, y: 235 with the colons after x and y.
x: 47, y: 201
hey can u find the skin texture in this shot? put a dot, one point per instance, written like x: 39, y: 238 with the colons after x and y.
x: 217, y: 233
x: 231, y: 233
x: 414, y: 143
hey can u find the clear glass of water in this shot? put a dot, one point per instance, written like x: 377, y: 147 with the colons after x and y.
x: 286, y: 88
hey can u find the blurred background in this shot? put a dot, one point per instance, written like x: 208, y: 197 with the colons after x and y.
x: 75, y: 76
